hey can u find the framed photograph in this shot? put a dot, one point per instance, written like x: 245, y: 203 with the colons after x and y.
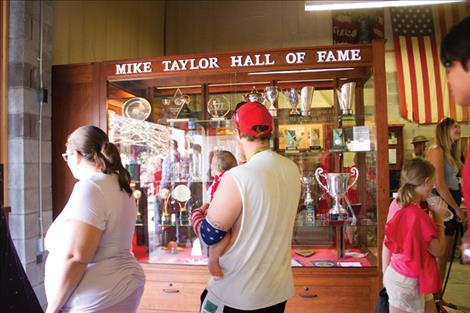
x: 307, y: 137
x: 392, y: 156
x: 315, y: 136
x: 392, y: 137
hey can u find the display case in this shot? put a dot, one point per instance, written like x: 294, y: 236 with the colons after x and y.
x: 168, y: 115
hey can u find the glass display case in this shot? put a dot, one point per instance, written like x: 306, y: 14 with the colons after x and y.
x: 169, y: 154
x: 168, y: 113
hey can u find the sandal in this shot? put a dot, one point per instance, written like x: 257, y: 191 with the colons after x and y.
x: 440, y: 307
x: 449, y: 304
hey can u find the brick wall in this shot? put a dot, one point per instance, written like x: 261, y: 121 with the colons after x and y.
x: 23, y: 133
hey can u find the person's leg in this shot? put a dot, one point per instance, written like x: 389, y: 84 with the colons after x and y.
x: 202, y: 297
x: 442, y: 261
x: 430, y: 306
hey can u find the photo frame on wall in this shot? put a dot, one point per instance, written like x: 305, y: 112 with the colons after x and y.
x: 301, y: 137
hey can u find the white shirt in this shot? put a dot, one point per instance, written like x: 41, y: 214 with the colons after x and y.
x: 257, y: 267
x: 114, y: 273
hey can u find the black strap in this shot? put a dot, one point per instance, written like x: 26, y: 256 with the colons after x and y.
x: 457, y: 236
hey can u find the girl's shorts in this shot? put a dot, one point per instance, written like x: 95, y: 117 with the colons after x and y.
x: 403, y: 292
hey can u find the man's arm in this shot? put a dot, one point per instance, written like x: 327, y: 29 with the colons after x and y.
x: 226, y: 206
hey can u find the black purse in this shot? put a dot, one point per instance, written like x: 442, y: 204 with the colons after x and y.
x: 382, y: 302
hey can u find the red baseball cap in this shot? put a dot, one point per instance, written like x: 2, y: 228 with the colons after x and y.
x: 252, y: 114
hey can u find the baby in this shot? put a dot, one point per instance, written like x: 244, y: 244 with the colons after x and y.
x: 221, y: 162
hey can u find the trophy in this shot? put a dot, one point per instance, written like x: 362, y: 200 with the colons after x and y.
x: 179, y: 99
x: 166, y: 101
x: 292, y: 95
x: 337, y: 186
x: 254, y: 96
x: 345, y: 97
x: 309, y: 204
x: 182, y: 194
x: 164, y: 194
x: 306, y: 96
x: 272, y: 93
x: 218, y: 107
x: 292, y: 142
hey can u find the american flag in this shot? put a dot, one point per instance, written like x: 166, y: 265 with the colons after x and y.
x: 422, y: 86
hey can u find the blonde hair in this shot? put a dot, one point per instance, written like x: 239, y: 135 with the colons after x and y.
x: 450, y: 148
x: 414, y: 173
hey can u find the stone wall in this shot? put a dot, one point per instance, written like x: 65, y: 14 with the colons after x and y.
x: 23, y: 133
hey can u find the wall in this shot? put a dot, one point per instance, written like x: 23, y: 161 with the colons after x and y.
x: 213, y: 26
x: 92, y: 31
x: 23, y: 133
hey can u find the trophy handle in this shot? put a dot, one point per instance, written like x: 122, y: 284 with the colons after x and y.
x: 355, y: 172
x: 318, y: 174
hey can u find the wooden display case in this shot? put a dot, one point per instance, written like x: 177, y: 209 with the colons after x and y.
x: 96, y: 94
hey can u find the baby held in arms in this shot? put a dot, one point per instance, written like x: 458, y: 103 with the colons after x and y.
x: 221, y: 162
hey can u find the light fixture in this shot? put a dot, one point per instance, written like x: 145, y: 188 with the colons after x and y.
x: 349, y: 5
x: 302, y: 71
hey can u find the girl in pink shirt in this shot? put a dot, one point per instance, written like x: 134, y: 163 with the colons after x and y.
x: 412, y: 241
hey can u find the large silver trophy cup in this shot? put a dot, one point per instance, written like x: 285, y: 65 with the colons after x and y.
x: 345, y: 96
x: 292, y: 95
x: 337, y: 187
x: 306, y: 97
x: 272, y: 93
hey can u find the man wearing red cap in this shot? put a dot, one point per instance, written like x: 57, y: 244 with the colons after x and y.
x: 258, y: 202
x: 455, y: 56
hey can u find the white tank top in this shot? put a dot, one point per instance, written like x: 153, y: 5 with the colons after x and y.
x: 257, y: 267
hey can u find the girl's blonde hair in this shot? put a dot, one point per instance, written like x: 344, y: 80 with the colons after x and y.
x: 450, y: 148
x: 413, y: 174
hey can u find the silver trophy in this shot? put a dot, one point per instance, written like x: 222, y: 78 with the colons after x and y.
x: 345, y: 97
x: 337, y: 187
x: 254, y: 96
x: 218, y: 107
x: 292, y: 95
x: 306, y: 96
x: 272, y: 93
x: 309, y: 203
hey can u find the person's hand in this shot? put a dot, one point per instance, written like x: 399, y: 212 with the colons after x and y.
x: 204, y: 208
x: 459, y: 215
x: 437, y: 206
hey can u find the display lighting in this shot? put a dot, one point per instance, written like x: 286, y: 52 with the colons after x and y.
x: 348, y: 5
x: 303, y: 71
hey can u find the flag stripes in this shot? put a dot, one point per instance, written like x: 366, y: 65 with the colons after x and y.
x: 424, y: 94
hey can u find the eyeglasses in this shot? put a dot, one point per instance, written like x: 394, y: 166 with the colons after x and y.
x: 65, y: 156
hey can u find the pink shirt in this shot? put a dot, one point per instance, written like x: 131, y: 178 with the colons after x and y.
x: 398, y: 261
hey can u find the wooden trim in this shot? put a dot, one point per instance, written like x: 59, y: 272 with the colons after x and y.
x: 4, y: 94
x: 383, y: 188
x: 261, y: 60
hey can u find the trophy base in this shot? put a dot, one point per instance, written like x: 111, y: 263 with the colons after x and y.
x: 218, y: 119
x: 177, y: 120
x: 346, y: 112
x: 294, y: 113
x: 305, y: 113
x: 273, y: 111
x: 315, y: 148
x: 292, y: 150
